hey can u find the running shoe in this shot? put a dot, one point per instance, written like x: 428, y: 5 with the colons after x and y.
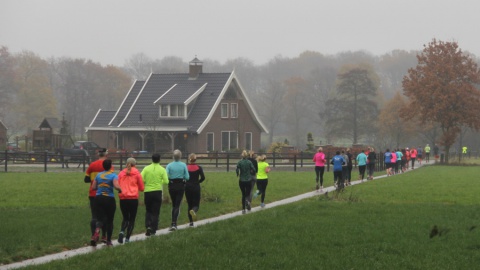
x: 173, y: 228
x: 255, y: 195
x: 191, y: 225
x: 249, y: 206
x: 127, y: 240
x: 149, y: 231
x: 262, y: 205
x: 244, y: 212
x: 109, y: 244
x: 120, y: 237
x: 193, y: 214
x: 104, y: 239
x: 317, y: 187
x: 94, y: 239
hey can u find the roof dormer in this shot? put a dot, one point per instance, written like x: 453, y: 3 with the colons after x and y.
x: 177, y: 102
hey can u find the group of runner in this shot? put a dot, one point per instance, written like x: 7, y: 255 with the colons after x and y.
x: 252, y: 170
x: 181, y: 179
x: 399, y: 160
x: 396, y: 161
x: 343, y: 165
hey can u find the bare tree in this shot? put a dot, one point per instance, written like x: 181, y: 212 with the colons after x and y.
x: 353, y: 111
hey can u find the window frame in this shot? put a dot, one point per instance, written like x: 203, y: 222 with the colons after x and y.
x: 230, y: 132
x: 213, y: 141
x: 167, y: 111
x: 222, y: 106
x: 233, y: 113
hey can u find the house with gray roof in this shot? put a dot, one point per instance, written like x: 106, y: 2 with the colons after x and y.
x: 194, y: 112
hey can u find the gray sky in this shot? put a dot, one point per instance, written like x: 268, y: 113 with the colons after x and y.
x: 111, y: 31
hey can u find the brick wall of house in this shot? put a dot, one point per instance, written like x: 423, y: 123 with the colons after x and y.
x: 244, y: 123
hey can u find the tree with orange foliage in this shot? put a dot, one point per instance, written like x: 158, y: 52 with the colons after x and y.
x: 442, y: 90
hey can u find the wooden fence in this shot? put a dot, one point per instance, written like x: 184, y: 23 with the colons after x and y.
x: 48, y: 161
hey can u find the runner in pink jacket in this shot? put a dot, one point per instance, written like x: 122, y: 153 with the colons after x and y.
x: 319, y: 159
x: 131, y: 182
x: 413, y: 156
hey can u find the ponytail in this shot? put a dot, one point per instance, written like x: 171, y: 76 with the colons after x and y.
x: 131, y: 162
x: 129, y: 168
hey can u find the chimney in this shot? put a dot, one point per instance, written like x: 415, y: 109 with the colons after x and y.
x: 195, y: 68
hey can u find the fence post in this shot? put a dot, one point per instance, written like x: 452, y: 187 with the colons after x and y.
x: 273, y: 158
x: 216, y: 159
x: 228, y: 162
x: 6, y: 160
x: 121, y: 162
x: 45, y: 160
x: 301, y: 159
x: 84, y: 158
x: 295, y: 162
x: 328, y: 163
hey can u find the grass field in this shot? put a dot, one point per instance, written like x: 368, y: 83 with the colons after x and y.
x: 43, y: 213
x: 381, y: 224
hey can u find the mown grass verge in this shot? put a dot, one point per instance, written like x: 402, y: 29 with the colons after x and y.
x: 382, y: 224
x: 42, y: 213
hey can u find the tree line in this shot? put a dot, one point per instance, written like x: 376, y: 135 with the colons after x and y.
x: 350, y: 97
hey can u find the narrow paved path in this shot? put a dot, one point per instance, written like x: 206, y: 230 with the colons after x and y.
x: 140, y: 237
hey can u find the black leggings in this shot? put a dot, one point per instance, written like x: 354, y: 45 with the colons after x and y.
x: 319, y: 170
x: 246, y: 188
x: 176, y: 191
x: 253, y: 181
x: 192, y: 193
x: 129, y: 212
x: 106, y: 207
x: 361, y: 170
x: 338, y: 178
x: 262, y: 187
x: 93, y: 219
x: 371, y: 168
x: 153, y: 202
x: 349, y: 174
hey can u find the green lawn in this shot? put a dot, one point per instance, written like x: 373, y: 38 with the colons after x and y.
x: 381, y: 224
x: 44, y: 213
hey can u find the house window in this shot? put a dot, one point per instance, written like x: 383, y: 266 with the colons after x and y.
x: 248, y: 140
x: 234, y: 110
x: 224, y: 108
x: 164, y: 111
x: 210, y: 147
x: 181, y: 110
x: 172, y: 110
x: 229, y: 140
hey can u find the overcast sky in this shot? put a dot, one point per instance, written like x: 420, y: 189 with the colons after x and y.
x: 111, y: 31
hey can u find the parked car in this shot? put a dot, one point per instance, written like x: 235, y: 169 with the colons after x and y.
x: 13, y: 147
x: 91, y: 147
